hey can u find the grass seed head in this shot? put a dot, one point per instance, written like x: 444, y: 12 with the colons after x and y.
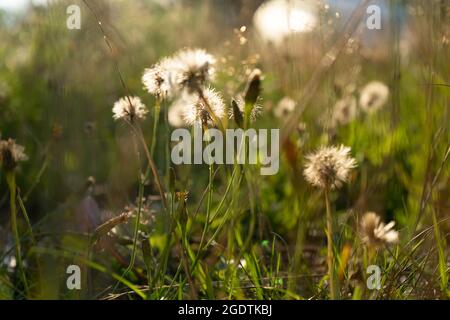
x: 254, y: 114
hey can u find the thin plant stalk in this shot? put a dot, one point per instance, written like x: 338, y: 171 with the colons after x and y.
x: 208, y: 206
x: 11, y: 180
x: 137, y: 129
x: 138, y: 216
x: 330, y: 248
x: 136, y: 227
x: 157, y: 109
x: 211, y: 111
x: 27, y: 219
x: 30, y: 231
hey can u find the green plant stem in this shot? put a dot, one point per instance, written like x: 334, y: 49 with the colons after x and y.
x: 136, y: 226
x: 155, y: 126
x: 11, y: 180
x: 30, y: 231
x: 138, y: 215
x: 208, y: 208
x: 138, y: 131
x: 208, y: 211
x: 330, y: 252
x: 214, y: 117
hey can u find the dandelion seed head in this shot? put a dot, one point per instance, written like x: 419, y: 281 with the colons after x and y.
x: 284, y: 107
x: 375, y: 233
x: 195, y: 111
x: 344, y: 110
x: 11, y: 154
x: 129, y: 108
x: 175, y: 113
x: 329, y: 167
x: 193, y: 69
x: 373, y: 96
x: 159, y: 79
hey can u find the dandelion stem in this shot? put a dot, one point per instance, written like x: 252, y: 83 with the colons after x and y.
x: 211, y: 111
x: 30, y: 229
x: 138, y: 216
x: 11, y: 180
x: 155, y: 126
x: 136, y: 227
x: 330, y: 253
x: 139, y: 133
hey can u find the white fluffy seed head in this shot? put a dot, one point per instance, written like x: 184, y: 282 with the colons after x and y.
x: 11, y: 154
x: 193, y: 68
x: 376, y: 233
x: 159, y: 80
x: 176, y: 114
x: 129, y: 108
x: 344, y: 110
x: 329, y: 167
x: 284, y: 107
x: 373, y: 96
x: 195, y: 110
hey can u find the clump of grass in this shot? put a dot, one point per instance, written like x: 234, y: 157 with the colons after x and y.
x: 11, y: 154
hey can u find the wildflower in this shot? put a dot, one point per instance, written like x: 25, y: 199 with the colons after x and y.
x: 175, y: 113
x: 129, y: 108
x: 344, y: 110
x: 284, y: 107
x: 329, y: 167
x: 158, y: 80
x: 193, y: 69
x: 11, y: 154
x: 195, y: 110
x: 254, y: 114
x: 373, y: 96
x: 374, y: 232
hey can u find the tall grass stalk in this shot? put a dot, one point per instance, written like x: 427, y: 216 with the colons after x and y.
x: 442, y: 263
x: 140, y: 135
x: 330, y: 247
x: 157, y: 109
x: 136, y: 226
x: 11, y: 180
